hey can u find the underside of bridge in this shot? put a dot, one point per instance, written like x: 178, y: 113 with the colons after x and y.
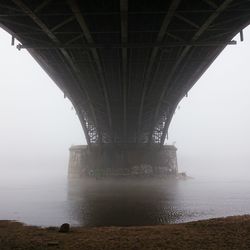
x: 125, y: 65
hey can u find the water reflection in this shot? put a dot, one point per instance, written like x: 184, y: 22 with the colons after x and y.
x: 120, y: 202
x: 123, y: 202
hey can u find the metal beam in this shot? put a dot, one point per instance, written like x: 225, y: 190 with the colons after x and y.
x: 4, y: 20
x: 74, y: 39
x: 124, y: 39
x: 106, y: 13
x: 36, y: 19
x: 186, y: 20
x: 166, y: 21
x: 222, y: 34
x: 79, y: 17
x: 158, y: 45
x: 63, y: 32
x: 4, y: 6
x: 83, y: 122
x: 201, y: 30
x: 41, y: 6
x: 68, y: 20
x: 131, y: 62
x: 50, y: 34
x: 166, y: 126
x: 175, y: 37
x: 241, y: 36
x: 232, y: 21
x: 211, y: 3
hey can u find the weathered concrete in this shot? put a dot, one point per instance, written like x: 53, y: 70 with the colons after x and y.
x: 120, y: 160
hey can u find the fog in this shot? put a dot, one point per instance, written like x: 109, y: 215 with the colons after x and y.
x: 37, y: 124
x: 211, y: 128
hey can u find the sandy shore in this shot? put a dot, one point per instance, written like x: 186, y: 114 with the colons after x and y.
x: 223, y: 233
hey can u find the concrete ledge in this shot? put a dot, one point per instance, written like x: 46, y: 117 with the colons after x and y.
x: 122, y: 160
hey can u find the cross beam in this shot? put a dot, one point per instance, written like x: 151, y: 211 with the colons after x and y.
x: 124, y: 72
x: 166, y: 21
x: 126, y: 45
x: 69, y: 60
x: 81, y: 21
x: 185, y: 51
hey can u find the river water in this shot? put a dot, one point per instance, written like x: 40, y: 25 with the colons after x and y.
x: 121, y: 202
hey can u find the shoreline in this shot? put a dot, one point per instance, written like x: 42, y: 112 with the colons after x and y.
x: 220, y: 233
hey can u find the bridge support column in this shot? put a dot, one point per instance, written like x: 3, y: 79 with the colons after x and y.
x: 122, y: 160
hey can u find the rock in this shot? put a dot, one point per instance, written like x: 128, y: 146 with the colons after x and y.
x: 52, y: 243
x: 64, y: 228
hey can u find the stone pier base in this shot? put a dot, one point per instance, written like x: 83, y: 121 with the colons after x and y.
x: 119, y: 160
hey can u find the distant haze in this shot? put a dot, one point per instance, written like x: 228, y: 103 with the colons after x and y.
x: 211, y: 128
x: 37, y: 124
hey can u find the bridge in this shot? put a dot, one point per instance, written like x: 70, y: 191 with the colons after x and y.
x: 125, y: 65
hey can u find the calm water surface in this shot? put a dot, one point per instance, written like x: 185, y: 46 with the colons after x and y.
x: 121, y: 202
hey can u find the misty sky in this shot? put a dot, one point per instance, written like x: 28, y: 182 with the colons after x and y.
x: 211, y: 128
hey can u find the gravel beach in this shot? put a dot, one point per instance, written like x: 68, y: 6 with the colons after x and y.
x: 222, y: 233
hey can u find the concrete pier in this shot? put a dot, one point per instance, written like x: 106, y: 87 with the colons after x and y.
x: 120, y: 160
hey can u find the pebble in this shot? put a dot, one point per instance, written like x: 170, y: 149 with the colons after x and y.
x: 52, y: 243
x: 64, y: 228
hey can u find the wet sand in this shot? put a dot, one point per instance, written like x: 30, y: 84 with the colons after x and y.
x: 223, y: 233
